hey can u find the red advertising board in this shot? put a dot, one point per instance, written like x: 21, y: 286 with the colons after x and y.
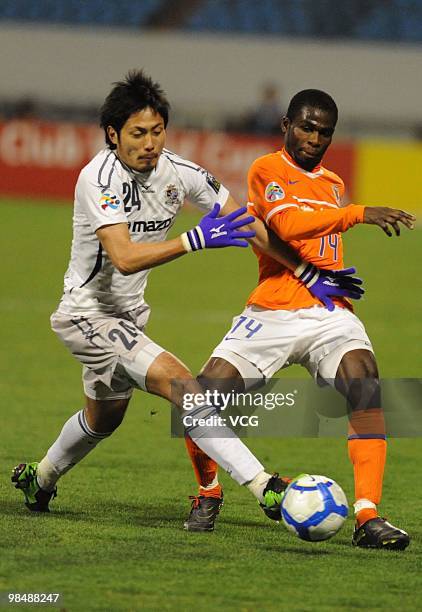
x: 43, y: 160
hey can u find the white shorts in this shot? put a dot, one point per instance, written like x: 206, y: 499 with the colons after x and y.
x: 262, y: 341
x: 114, y: 351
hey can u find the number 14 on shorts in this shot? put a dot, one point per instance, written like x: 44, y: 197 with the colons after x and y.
x: 245, y: 327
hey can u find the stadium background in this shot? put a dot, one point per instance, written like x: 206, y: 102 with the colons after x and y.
x: 115, y: 541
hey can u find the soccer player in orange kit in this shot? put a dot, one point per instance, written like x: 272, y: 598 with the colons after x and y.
x: 300, y: 201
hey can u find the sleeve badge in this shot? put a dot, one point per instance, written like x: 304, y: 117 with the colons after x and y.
x: 213, y: 183
x: 274, y: 192
x: 109, y: 200
x: 171, y: 195
x: 336, y: 192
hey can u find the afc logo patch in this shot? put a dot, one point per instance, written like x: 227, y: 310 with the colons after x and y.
x: 109, y: 200
x: 274, y: 192
x: 171, y: 195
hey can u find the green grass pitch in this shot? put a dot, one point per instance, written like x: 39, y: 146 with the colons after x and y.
x: 115, y: 539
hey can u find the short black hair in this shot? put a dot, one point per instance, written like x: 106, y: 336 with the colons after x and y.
x: 314, y: 98
x: 137, y: 92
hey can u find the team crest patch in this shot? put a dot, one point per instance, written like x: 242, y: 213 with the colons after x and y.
x: 336, y: 192
x: 274, y: 192
x: 172, y: 194
x: 109, y: 200
x: 213, y: 183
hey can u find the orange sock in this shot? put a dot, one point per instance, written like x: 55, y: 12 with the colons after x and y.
x: 367, y: 452
x: 205, y: 468
x: 366, y: 514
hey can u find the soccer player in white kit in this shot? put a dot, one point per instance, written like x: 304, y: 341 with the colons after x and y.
x: 126, y: 199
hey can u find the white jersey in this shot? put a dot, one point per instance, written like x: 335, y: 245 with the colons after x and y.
x: 108, y: 192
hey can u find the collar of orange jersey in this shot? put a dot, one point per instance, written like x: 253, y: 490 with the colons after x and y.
x: 317, y: 171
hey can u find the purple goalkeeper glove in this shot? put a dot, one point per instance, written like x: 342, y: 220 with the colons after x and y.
x: 325, y: 284
x: 214, y: 232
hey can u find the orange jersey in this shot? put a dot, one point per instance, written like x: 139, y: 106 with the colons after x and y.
x: 304, y: 209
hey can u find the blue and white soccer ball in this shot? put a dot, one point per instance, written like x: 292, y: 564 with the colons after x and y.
x: 314, y: 508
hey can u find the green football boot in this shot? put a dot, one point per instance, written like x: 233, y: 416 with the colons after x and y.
x: 24, y: 477
x: 273, y: 494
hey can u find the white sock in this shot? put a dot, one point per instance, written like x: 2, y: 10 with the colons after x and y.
x: 47, y: 475
x: 362, y: 503
x: 258, y: 484
x: 211, y: 485
x: 229, y: 452
x: 75, y: 441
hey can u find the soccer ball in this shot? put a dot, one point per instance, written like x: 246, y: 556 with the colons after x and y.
x: 314, y: 507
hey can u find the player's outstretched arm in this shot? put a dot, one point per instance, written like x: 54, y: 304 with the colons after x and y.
x: 384, y: 217
x: 322, y: 284
x: 295, y: 224
x: 211, y: 232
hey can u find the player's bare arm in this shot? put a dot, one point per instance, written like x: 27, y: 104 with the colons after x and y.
x: 211, y: 232
x: 384, y: 217
x: 266, y: 241
x: 129, y: 257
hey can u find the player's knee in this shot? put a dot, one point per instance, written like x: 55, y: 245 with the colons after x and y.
x: 357, y: 379
x: 359, y: 363
x: 104, y: 416
x: 221, y: 376
x: 369, y: 366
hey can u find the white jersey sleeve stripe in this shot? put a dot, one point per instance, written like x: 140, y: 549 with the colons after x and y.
x: 110, y: 159
x: 176, y: 163
x: 186, y: 163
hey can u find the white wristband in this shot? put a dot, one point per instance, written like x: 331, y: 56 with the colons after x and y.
x: 301, y: 268
x: 194, y: 240
x: 185, y: 242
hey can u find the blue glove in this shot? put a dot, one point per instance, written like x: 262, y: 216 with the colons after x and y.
x: 325, y: 284
x: 214, y: 232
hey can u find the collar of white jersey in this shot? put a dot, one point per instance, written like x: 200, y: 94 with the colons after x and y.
x: 316, y: 172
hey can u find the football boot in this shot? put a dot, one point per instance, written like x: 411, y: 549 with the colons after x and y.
x: 273, y: 494
x: 24, y: 477
x: 379, y: 533
x: 204, y: 511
